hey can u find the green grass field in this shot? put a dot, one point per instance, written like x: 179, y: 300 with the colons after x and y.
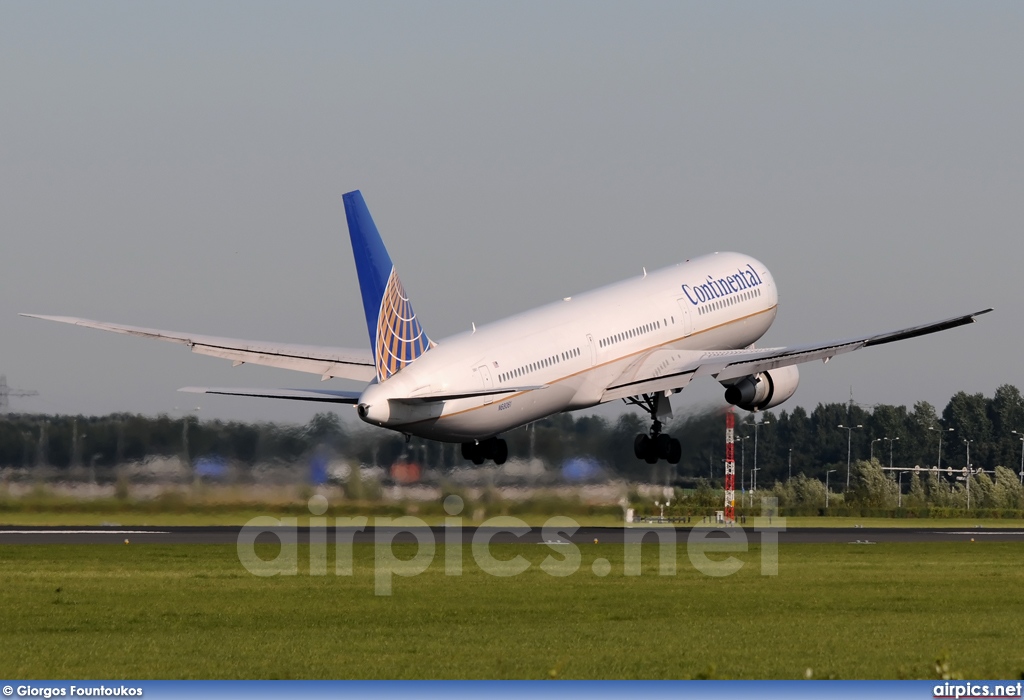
x: 845, y: 611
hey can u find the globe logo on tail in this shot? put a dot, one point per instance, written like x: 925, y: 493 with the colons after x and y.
x: 400, y: 337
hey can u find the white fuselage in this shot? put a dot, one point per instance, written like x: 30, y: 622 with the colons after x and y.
x: 574, y: 348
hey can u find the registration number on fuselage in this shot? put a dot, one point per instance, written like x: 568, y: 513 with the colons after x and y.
x: 504, y: 405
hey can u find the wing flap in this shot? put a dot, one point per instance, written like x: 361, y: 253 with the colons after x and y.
x: 742, y: 365
x: 667, y: 383
x: 346, y: 363
x: 663, y: 369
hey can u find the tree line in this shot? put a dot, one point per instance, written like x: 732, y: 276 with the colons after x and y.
x: 784, y: 445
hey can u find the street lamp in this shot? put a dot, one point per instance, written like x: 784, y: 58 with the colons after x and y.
x: 92, y: 467
x: 1021, y: 438
x: 872, y: 450
x: 790, y: 464
x: 1022, y: 461
x: 849, y: 441
x: 967, y: 474
x: 28, y: 445
x: 891, y: 441
x: 743, y: 459
x: 186, y: 414
x: 826, y: 487
x: 662, y: 505
x: 940, y: 431
x: 755, y: 470
x: 756, y: 426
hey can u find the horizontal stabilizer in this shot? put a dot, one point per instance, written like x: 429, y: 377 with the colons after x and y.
x: 321, y: 395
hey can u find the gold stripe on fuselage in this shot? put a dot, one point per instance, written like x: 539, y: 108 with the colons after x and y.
x: 441, y: 418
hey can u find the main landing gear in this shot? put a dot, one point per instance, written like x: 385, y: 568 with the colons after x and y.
x: 656, y: 445
x: 491, y: 448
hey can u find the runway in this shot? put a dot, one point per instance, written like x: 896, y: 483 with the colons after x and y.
x: 13, y: 535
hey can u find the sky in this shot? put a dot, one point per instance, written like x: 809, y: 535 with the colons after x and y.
x: 180, y: 165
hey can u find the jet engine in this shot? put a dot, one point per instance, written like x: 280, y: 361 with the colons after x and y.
x: 757, y: 392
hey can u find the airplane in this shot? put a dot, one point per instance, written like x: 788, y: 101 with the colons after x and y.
x: 640, y: 340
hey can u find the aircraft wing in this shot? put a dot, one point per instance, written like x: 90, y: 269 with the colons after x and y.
x: 668, y: 370
x: 326, y: 361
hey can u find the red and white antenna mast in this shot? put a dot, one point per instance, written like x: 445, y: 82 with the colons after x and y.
x: 730, y: 468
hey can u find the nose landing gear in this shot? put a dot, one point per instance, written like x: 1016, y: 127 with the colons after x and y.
x: 491, y: 448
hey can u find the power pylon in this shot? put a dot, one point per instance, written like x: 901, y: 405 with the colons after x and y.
x: 7, y: 392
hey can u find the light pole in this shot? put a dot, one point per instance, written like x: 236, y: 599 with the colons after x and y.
x: 755, y: 470
x: 826, y: 487
x: 849, y: 441
x: 1022, y: 461
x: 872, y: 451
x: 756, y: 426
x: 790, y: 464
x: 661, y: 505
x: 186, y: 414
x: 1021, y: 438
x: 743, y: 459
x: 967, y: 474
x: 92, y: 467
x: 891, y: 441
x: 938, y: 465
x: 28, y: 445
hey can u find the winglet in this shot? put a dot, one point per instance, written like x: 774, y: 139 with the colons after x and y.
x: 925, y: 329
x: 396, y: 336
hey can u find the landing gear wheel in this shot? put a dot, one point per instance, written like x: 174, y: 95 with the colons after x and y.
x: 640, y: 444
x: 474, y: 452
x: 675, y: 452
x: 492, y: 448
x: 663, y: 444
x: 500, y: 451
x: 655, y: 445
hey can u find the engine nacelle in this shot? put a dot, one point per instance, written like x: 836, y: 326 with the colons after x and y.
x: 757, y: 392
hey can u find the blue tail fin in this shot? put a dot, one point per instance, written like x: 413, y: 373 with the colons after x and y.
x: 396, y: 336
